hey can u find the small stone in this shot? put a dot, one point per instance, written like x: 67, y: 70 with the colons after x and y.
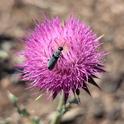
x: 114, y: 114
x: 6, y: 46
x: 3, y: 55
x: 112, y: 82
x: 97, y: 110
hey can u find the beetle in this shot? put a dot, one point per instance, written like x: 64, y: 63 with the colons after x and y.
x: 53, y: 60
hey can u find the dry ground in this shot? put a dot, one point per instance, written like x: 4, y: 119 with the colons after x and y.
x: 105, y: 17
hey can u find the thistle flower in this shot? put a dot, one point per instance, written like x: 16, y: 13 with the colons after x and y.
x: 79, y: 61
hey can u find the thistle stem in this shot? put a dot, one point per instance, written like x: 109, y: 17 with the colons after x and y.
x: 58, y: 114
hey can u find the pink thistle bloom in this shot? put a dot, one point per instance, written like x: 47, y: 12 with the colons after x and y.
x: 78, y: 62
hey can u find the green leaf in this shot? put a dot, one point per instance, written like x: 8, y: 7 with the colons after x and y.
x: 24, y: 112
x: 36, y: 120
x: 12, y: 97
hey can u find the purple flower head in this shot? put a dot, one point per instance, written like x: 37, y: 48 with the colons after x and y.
x: 72, y: 67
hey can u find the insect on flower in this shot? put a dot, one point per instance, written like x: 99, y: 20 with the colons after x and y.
x: 53, y: 60
x: 77, y: 47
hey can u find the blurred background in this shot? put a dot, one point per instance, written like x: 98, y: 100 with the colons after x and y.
x: 106, y: 17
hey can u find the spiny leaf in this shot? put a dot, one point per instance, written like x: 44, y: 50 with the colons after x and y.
x: 54, y: 95
x: 66, y: 97
x: 38, y: 97
x: 99, y: 68
x: 74, y: 101
x: 94, y: 76
x: 78, y: 92
x: 91, y: 81
x: 86, y: 89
